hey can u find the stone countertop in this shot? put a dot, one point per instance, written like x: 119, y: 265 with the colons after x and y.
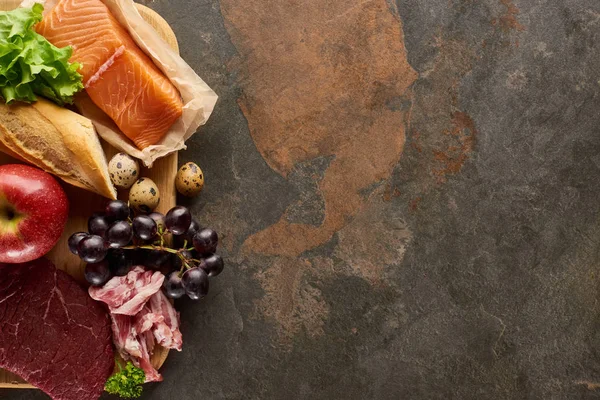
x: 407, y: 195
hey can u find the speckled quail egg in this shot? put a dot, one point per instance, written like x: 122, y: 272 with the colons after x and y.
x: 144, y: 195
x: 124, y: 170
x: 189, y: 180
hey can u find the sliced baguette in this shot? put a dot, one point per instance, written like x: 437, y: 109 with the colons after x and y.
x: 57, y: 140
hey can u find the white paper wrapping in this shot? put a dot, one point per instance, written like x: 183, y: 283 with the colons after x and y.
x: 198, y: 98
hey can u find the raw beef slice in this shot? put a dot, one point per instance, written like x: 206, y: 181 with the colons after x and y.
x: 52, y: 333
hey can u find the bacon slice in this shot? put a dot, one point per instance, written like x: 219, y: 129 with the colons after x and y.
x: 142, y: 316
x: 128, y: 294
x: 160, y: 318
x: 135, y: 345
x: 124, y: 336
x: 152, y: 375
x: 167, y: 332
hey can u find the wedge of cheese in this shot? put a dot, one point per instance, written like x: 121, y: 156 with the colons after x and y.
x: 57, y: 140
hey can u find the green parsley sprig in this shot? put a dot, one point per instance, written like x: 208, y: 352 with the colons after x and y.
x: 126, y: 382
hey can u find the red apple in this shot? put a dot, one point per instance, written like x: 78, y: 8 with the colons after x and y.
x: 33, y: 212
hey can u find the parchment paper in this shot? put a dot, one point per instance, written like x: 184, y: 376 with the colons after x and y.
x: 198, y: 98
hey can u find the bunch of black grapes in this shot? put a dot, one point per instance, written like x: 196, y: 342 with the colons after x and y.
x: 117, y: 240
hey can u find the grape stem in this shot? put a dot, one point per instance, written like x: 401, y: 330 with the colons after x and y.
x: 184, y: 261
x: 151, y: 247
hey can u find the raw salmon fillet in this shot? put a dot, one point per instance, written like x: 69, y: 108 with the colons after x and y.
x: 118, y: 76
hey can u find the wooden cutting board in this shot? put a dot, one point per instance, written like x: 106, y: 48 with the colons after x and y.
x: 84, y: 203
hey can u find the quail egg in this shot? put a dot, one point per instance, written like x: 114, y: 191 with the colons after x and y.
x: 144, y: 195
x: 124, y: 170
x: 189, y: 180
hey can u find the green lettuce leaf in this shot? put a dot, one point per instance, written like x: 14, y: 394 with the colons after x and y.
x: 30, y: 64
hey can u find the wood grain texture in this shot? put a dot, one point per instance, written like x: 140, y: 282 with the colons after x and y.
x: 84, y: 203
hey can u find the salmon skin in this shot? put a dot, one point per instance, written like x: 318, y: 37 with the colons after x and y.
x: 118, y: 76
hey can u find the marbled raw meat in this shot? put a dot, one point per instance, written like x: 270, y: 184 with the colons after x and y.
x: 142, y: 317
x: 124, y: 336
x: 51, y: 333
x: 128, y: 294
x: 166, y: 331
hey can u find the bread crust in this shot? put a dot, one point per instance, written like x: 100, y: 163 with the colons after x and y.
x: 57, y: 140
